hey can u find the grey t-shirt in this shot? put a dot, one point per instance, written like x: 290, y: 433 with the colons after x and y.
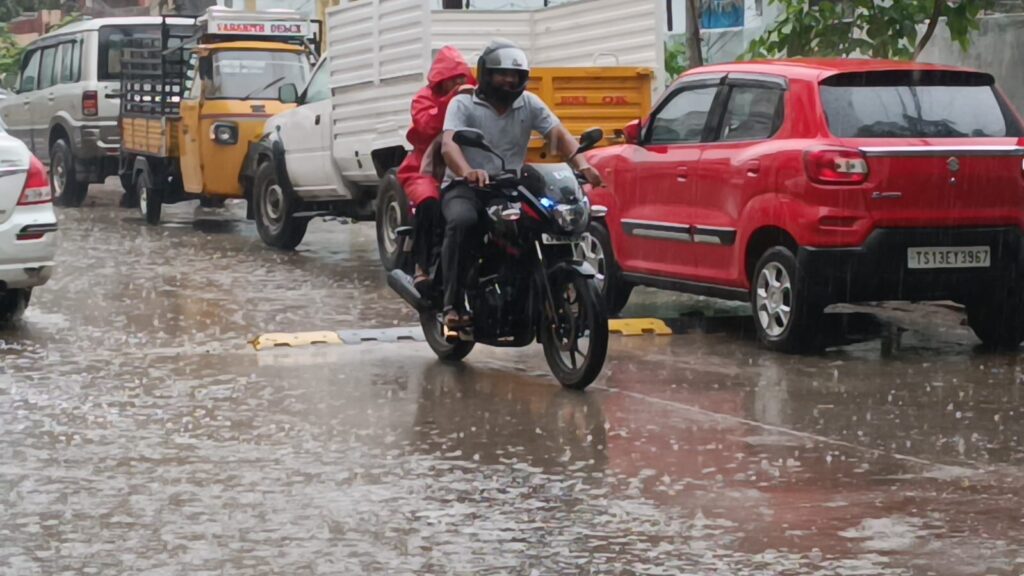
x: 508, y: 135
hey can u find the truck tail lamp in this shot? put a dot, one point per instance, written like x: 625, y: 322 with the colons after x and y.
x: 836, y: 166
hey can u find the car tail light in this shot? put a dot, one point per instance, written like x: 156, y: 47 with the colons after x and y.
x: 37, y: 185
x: 836, y: 166
x: 90, y: 103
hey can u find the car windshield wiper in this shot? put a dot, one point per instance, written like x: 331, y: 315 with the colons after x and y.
x: 254, y: 92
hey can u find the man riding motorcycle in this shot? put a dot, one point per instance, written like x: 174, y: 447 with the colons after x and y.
x: 506, y: 114
x: 449, y: 74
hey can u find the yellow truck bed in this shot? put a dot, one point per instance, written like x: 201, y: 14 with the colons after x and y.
x: 150, y: 136
x: 583, y: 98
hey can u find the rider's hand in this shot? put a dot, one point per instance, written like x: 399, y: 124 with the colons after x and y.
x: 592, y: 176
x: 477, y: 178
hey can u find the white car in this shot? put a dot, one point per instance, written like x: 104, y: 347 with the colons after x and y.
x: 28, y: 226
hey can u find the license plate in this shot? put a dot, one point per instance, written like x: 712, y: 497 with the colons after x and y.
x: 549, y: 239
x: 951, y: 257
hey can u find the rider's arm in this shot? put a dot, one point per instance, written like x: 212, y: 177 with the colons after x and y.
x: 453, y: 155
x: 566, y: 146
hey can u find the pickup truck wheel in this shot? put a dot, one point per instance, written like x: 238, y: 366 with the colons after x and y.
x: 787, y: 316
x: 998, y: 319
x: 596, y: 248
x: 392, y: 214
x: 151, y: 200
x: 274, y: 207
x: 67, y: 190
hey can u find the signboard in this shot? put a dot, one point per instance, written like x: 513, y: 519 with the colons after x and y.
x: 257, y: 28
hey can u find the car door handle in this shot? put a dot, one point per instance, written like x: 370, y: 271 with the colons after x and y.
x: 682, y: 174
x: 51, y: 97
x: 317, y: 120
x: 753, y: 168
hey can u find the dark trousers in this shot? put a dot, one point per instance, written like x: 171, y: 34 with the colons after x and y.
x: 462, y: 237
x: 427, y: 232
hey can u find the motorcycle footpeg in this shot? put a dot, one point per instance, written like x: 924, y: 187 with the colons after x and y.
x: 464, y: 334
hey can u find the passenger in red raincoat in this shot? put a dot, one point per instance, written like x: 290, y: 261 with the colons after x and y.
x: 448, y: 75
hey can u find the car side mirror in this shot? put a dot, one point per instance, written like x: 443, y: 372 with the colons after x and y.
x: 632, y: 132
x: 288, y: 94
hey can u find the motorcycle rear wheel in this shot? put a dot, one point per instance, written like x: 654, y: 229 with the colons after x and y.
x: 446, y: 351
x: 582, y: 316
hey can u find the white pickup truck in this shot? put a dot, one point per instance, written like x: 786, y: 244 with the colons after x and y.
x: 336, y: 153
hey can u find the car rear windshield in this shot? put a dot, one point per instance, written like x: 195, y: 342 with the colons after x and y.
x: 112, y: 42
x: 916, y: 104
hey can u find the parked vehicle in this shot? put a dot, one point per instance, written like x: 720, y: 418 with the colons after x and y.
x: 336, y: 153
x: 28, y: 226
x: 195, y: 101
x: 527, y: 285
x: 797, y: 184
x: 67, y: 96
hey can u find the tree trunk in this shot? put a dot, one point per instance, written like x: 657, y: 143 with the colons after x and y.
x: 693, y: 48
x: 933, y: 23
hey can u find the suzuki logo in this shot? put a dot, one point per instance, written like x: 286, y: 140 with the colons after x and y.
x: 953, y: 164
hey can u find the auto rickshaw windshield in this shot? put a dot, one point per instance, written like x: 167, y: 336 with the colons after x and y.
x: 255, y: 75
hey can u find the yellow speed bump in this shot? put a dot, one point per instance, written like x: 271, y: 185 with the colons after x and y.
x: 639, y: 326
x: 295, y: 339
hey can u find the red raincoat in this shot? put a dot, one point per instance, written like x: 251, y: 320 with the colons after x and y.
x: 428, y: 110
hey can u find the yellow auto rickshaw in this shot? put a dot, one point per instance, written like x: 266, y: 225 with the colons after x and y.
x: 194, y: 99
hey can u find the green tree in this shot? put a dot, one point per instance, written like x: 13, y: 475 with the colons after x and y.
x: 10, y: 52
x: 865, y: 27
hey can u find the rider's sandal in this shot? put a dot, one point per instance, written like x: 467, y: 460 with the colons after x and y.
x: 421, y: 282
x: 454, y: 320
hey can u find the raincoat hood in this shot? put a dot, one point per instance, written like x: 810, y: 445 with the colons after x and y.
x: 449, y: 63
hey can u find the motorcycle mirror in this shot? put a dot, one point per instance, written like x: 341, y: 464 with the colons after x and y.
x: 471, y: 139
x: 591, y: 138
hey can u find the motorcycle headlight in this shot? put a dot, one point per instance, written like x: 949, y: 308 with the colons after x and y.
x: 572, y: 217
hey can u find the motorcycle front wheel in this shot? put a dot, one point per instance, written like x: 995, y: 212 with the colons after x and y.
x: 576, y: 340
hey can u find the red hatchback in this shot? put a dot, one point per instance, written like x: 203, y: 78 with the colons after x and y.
x: 796, y: 184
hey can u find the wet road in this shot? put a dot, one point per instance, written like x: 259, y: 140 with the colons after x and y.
x: 140, y: 434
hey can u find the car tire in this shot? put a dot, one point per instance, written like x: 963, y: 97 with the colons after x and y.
x: 392, y: 213
x: 787, y: 315
x: 274, y: 206
x: 151, y: 200
x: 597, y: 251
x: 67, y: 190
x: 13, y: 304
x: 998, y: 319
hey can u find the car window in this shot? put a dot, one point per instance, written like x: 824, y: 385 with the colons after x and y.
x: 682, y: 119
x: 47, y: 68
x: 30, y: 73
x: 318, y: 88
x: 923, y: 105
x: 70, y: 62
x: 753, y: 113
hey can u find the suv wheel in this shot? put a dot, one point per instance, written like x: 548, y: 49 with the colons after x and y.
x: 787, y: 317
x: 274, y: 207
x: 67, y: 190
x: 13, y: 304
x: 998, y: 319
x: 596, y: 246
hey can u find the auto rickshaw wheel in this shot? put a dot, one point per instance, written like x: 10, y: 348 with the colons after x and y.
x: 274, y: 209
x: 151, y: 200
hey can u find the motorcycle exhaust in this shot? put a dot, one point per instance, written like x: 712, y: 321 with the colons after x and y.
x: 401, y: 283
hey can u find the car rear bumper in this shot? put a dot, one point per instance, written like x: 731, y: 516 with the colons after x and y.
x: 878, y: 269
x: 25, y: 261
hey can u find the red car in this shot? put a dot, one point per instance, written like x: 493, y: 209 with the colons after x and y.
x: 796, y: 184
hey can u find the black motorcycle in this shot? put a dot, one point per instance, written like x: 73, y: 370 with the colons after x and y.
x: 527, y: 284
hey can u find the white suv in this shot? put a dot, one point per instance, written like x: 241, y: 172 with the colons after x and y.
x: 28, y: 226
x: 67, y: 100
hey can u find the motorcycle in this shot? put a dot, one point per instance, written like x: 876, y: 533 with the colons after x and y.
x: 527, y: 284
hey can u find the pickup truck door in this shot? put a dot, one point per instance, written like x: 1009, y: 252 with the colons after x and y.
x: 306, y: 136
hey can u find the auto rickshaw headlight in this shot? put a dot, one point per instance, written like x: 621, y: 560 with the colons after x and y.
x: 224, y: 133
